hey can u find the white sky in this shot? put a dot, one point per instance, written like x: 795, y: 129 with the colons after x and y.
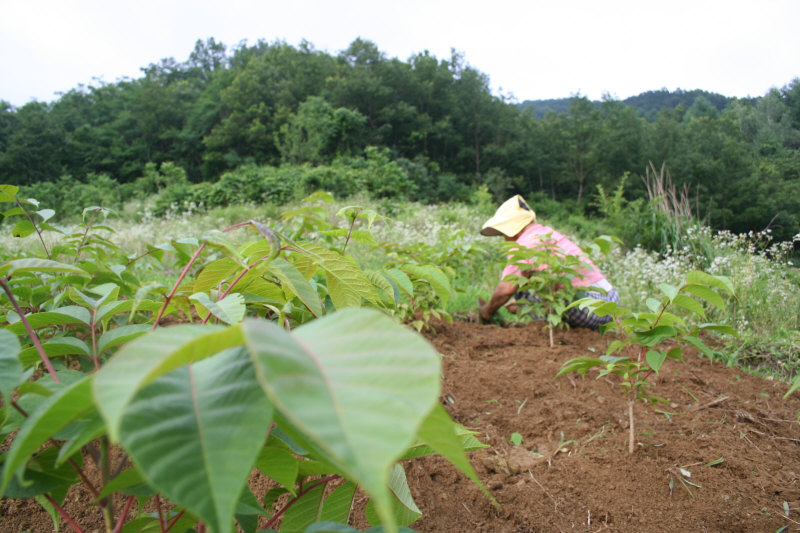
x: 529, y: 49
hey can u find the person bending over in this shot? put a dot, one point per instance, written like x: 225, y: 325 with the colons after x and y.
x: 516, y: 221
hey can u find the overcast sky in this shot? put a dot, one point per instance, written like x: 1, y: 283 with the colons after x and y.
x: 529, y: 49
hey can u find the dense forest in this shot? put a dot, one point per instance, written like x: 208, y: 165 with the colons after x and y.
x: 276, y: 105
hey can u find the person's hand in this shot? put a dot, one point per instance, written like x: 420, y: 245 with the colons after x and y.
x: 483, y: 311
x: 512, y: 307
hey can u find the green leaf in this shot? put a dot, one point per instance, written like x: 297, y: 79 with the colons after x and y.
x: 10, y: 365
x: 580, y: 365
x: 304, y: 511
x: 121, y: 335
x: 700, y: 345
x: 656, y: 358
x: 130, y: 481
x: 18, y: 266
x: 718, y: 327
x: 221, y: 241
x: 230, y: 309
x: 8, y: 193
x: 690, y: 304
x: 404, y: 509
x: 707, y: 294
x: 295, y: 283
x: 347, y: 283
x: 654, y: 336
x: 439, y: 432
x: 670, y: 291
x: 401, y: 279
x: 55, y: 347
x: 278, y: 464
x: 698, y: 277
x: 55, y: 412
x: 388, y: 293
x: 144, y: 359
x: 354, y: 382
x: 42, y: 475
x: 81, y: 431
x: 433, y: 275
x: 205, y: 421
x: 653, y: 304
x: 338, y: 505
x: 23, y: 228
x: 71, y: 314
x: 215, y: 273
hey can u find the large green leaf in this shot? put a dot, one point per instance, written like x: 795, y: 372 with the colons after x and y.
x: 358, y: 384
x: 10, y: 366
x: 54, y: 413
x: 141, y: 361
x: 195, y: 433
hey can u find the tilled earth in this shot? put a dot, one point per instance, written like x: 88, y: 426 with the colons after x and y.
x: 733, y: 433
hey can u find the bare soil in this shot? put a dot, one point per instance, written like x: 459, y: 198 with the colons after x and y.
x: 499, y: 381
x: 732, y: 431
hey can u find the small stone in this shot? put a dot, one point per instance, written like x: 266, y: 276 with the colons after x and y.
x: 494, y: 485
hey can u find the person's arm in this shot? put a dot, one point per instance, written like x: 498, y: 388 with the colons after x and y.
x: 502, y: 293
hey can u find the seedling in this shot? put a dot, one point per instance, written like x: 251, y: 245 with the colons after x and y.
x: 516, y: 439
x: 233, y: 387
x: 645, y: 340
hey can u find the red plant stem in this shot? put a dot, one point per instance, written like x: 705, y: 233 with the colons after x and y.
x: 35, y: 338
x: 186, y: 271
x: 174, y: 520
x: 16, y: 406
x: 228, y: 290
x: 177, y: 284
x: 127, y: 508
x: 64, y: 514
x: 296, y: 498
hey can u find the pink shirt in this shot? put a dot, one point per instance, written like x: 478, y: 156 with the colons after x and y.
x: 533, y: 235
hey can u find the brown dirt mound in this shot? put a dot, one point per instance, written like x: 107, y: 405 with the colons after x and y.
x: 499, y: 381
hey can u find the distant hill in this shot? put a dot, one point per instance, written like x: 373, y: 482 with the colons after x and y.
x: 649, y: 103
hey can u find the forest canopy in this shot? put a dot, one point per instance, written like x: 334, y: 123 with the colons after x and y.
x: 435, y: 120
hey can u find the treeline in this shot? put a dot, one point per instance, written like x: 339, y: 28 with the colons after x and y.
x: 273, y: 104
x: 648, y: 103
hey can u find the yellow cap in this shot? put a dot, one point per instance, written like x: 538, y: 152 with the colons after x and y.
x: 510, y: 218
